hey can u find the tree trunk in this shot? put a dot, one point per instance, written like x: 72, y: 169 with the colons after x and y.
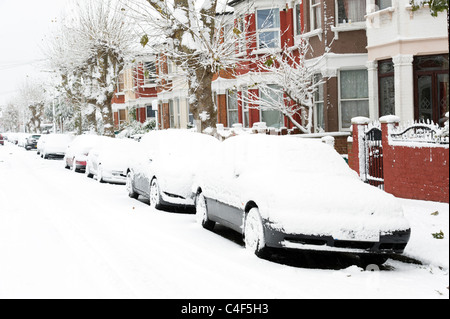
x: 203, y: 106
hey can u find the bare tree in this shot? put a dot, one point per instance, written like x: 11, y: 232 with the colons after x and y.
x: 286, y: 84
x: 201, y: 39
x: 89, y: 51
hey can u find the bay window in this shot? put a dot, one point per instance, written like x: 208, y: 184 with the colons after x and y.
x: 270, y: 97
x: 354, y: 95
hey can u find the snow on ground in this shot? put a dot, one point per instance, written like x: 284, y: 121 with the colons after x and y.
x: 63, y: 235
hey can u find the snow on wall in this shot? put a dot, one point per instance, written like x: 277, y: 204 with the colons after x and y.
x: 413, y: 169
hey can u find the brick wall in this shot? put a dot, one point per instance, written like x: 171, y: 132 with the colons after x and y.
x: 416, y: 172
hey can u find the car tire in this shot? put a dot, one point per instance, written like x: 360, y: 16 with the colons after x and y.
x: 88, y: 172
x: 155, y: 194
x: 254, y: 238
x: 368, y: 260
x: 201, y: 214
x: 129, y: 186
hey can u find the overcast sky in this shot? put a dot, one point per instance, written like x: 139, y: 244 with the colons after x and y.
x: 24, y: 24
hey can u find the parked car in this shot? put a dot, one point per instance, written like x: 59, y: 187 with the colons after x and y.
x: 78, y: 150
x: 165, y: 165
x: 109, y: 160
x: 40, y: 144
x: 2, y: 142
x: 31, y: 142
x: 55, y: 145
x: 290, y: 193
x: 22, y: 139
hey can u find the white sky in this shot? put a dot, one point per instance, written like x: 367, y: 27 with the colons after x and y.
x: 24, y: 25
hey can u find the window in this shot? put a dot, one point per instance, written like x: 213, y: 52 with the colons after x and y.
x: 354, y: 95
x: 149, y: 73
x: 318, y: 105
x: 245, y: 110
x: 150, y: 112
x: 120, y: 83
x: 171, y: 114
x: 349, y: 11
x: 386, y: 86
x: 268, y: 28
x: 297, y: 20
x: 383, y: 4
x: 177, y: 105
x: 232, y: 107
x: 122, y: 116
x: 241, y: 34
x: 315, y: 15
x: 271, y: 96
x: 431, y: 88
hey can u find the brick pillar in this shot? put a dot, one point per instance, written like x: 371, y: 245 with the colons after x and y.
x: 389, y: 171
x: 356, y: 158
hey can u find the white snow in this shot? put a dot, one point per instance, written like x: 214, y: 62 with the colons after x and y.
x: 63, y: 235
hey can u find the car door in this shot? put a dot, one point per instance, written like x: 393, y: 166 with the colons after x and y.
x: 224, y: 204
x: 143, y: 165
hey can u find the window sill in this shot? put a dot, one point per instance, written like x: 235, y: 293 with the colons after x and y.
x: 372, y: 15
x: 266, y: 51
x: 344, y: 27
x: 314, y: 33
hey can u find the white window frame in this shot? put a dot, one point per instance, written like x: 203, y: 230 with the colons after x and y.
x: 312, y: 7
x: 277, y: 29
x: 151, y: 80
x: 318, y: 77
x: 245, y: 107
x: 228, y: 107
x: 348, y: 23
x: 297, y: 24
x: 341, y: 128
x: 282, y: 122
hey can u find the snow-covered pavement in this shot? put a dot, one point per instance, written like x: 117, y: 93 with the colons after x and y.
x: 63, y: 235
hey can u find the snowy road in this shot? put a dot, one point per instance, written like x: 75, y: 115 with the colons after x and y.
x: 63, y: 235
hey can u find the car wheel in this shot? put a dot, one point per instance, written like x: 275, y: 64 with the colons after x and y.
x: 155, y: 195
x: 130, y: 188
x: 254, y: 233
x: 202, y: 213
x: 368, y: 260
x: 88, y: 172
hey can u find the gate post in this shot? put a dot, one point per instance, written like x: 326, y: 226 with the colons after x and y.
x: 357, y: 159
x: 388, y: 123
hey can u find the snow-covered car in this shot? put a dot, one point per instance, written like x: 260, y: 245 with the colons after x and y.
x: 40, y: 144
x: 109, y: 160
x: 31, y: 143
x: 2, y: 142
x: 22, y: 139
x: 55, y: 145
x: 78, y: 151
x: 164, y: 167
x: 291, y: 193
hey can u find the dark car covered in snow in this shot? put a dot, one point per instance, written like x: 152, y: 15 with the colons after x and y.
x: 291, y: 193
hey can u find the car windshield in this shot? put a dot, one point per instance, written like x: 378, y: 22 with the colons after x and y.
x: 285, y: 154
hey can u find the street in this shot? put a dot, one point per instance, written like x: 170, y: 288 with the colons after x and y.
x: 63, y: 235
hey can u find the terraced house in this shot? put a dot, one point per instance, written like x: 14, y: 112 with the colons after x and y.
x: 373, y: 58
